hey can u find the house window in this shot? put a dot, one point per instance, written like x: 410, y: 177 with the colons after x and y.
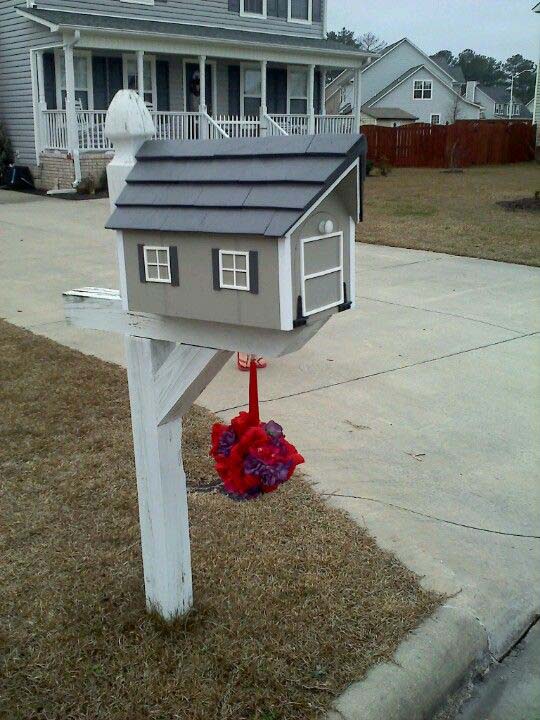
x: 422, y: 89
x: 254, y: 8
x: 131, y: 78
x: 82, y: 69
x: 300, y: 11
x: 322, y: 280
x: 157, y: 264
x: 233, y: 270
x: 435, y: 119
x: 499, y: 108
x: 251, y: 91
x: 515, y: 109
x: 298, y: 92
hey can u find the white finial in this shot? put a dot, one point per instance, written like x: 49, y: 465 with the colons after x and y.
x: 127, y: 125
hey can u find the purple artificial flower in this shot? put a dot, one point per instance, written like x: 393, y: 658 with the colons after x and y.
x: 226, y: 441
x: 270, y: 475
x: 274, y: 430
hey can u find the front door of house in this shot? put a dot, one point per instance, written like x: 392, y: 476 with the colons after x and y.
x: 276, y: 91
x: 193, y: 87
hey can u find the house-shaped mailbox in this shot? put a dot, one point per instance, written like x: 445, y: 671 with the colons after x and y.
x: 256, y: 232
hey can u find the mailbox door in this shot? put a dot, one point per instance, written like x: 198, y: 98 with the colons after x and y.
x: 322, y: 273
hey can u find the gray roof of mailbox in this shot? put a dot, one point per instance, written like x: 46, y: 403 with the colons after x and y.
x: 251, y: 186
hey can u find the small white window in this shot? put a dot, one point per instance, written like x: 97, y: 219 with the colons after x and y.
x: 251, y: 91
x: 515, y: 109
x: 422, y: 89
x: 131, y: 78
x: 253, y: 8
x: 157, y: 264
x: 435, y: 119
x: 499, y: 108
x: 298, y: 91
x: 300, y: 11
x: 234, y: 270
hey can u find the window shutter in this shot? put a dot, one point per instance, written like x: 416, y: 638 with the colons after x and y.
x: 99, y: 80
x: 254, y: 272
x: 215, y: 268
x: 116, y: 79
x: 142, y: 270
x: 162, y: 83
x: 234, y: 6
x: 317, y: 93
x: 282, y: 8
x: 173, y: 259
x: 272, y: 8
x: 317, y: 10
x: 234, y: 90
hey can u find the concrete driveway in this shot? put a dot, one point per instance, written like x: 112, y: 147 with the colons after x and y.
x: 418, y: 413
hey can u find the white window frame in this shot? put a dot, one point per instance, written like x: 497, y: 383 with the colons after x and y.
x: 290, y: 70
x: 499, y: 108
x: 321, y: 273
x: 157, y: 264
x: 139, y: 2
x: 515, y: 109
x: 130, y: 57
x: 234, y: 270
x: 243, y: 68
x: 300, y: 21
x: 435, y: 115
x: 423, y: 89
x: 246, y: 13
x: 59, y: 59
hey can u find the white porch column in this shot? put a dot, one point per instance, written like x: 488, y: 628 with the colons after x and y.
x: 140, y: 73
x: 204, y: 129
x: 71, y: 112
x: 310, y: 99
x: 357, y: 99
x: 264, y: 105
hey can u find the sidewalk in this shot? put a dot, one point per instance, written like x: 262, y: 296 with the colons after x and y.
x: 417, y: 413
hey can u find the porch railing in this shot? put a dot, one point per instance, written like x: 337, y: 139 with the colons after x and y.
x: 187, y: 126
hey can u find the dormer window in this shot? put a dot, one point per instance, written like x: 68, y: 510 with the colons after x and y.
x: 300, y: 11
x: 253, y: 8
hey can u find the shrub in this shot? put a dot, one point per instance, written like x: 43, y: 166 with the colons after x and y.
x: 86, y: 186
x: 384, y: 166
x: 369, y: 166
x: 6, y: 150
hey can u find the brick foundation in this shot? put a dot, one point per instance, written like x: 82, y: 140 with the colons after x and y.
x: 56, y: 170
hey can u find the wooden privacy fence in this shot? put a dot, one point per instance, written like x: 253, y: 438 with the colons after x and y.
x: 462, y: 144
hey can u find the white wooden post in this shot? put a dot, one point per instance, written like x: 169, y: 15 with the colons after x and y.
x: 202, y: 98
x: 264, y: 99
x: 357, y: 99
x: 71, y: 111
x: 164, y: 378
x: 310, y: 100
x: 140, y: 73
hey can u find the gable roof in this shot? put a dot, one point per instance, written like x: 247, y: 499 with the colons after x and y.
x: 392, y: 46
x: 388, y: 113
x: 58, y: 19
x: 454, y: 70
x: 249, y: 186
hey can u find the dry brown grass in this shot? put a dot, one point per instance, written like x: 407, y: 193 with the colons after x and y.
x: 293, y: 600
x: 428, y: 209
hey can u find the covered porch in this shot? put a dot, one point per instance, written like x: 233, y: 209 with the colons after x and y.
x: 194, y: 87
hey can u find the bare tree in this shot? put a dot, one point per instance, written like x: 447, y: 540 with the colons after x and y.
x: 370, y: 42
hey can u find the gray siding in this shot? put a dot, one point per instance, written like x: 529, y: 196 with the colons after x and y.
x: 442, y: 101
x: 17, y: 37
x: 206, y: 12
x: 195, y: 297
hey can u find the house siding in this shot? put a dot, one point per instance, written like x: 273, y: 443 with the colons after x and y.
x: 208, y: 12
x: 17, y: 36
x: 390, y: 66
x: 441, y: 103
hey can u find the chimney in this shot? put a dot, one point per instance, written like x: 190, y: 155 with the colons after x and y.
x: 470, y: 90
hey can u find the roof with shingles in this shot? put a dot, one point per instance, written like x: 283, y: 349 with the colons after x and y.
x: 388, y: 113
x: 252, y: 186
x: 103, y: 21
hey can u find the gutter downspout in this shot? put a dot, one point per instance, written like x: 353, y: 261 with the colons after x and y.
x: 75, y: 149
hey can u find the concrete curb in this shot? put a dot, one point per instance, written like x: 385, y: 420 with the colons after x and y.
x: 428, y: 666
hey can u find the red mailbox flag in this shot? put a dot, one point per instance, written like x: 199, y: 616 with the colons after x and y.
x: 252, y: 457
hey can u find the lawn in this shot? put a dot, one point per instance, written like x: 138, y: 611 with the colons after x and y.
x: 293, y: 600
x: 457, y: 213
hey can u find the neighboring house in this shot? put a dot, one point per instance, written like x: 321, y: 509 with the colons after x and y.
x: 495, y: 102
x: 530, y: 105
x: 404, y: 78
x: 536, y: 108
x: 224, y: 68
x: 386, y: 116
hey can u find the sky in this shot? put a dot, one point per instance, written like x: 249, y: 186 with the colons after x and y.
x: 499, y: 28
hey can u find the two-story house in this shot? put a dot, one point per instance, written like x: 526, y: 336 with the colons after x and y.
x: 495, y: 102
x: 226, y: 68
x: 404, y: 85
